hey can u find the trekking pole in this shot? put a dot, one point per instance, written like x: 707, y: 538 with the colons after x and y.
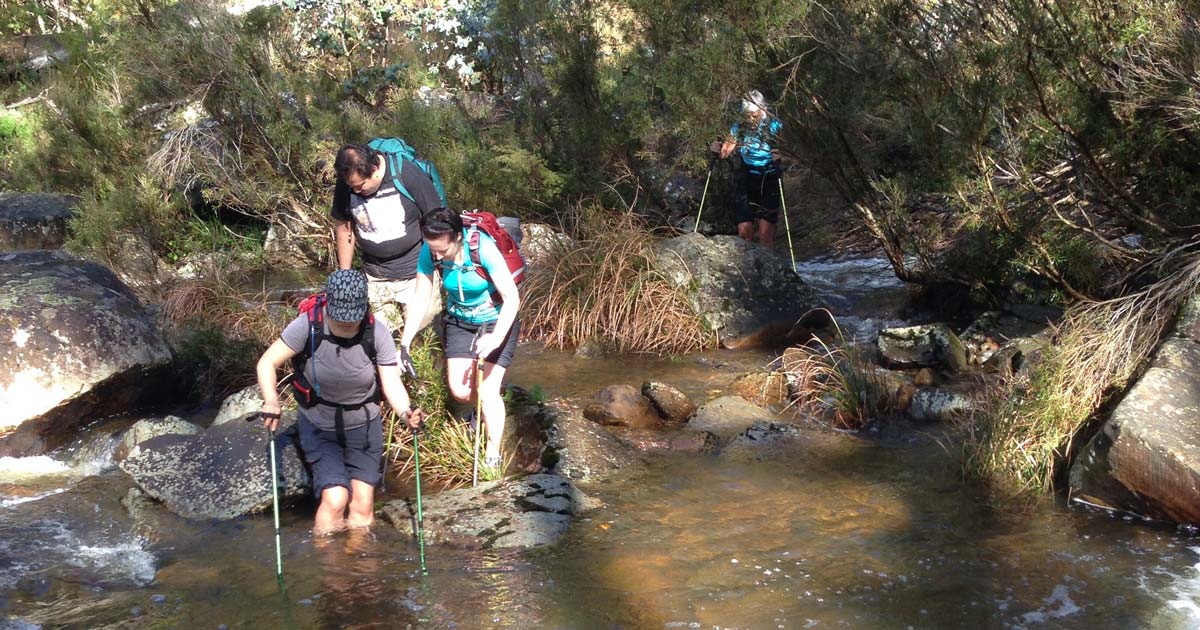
x: 478, y: 421
x: 786, y: 227
x: 275, y: 499
x: 704, y: 195
x: 420, y: 514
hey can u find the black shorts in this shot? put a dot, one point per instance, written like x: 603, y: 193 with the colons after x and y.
x: 457, y: 337
x: 335, y: 465
x: 756, y: 196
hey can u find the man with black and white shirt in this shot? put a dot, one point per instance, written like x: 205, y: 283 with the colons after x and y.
x: 372, y: 215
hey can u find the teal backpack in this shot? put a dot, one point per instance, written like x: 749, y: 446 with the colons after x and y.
x: 396, y: 151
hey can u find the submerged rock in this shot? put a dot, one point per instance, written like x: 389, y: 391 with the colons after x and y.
x: 529, y: 512
x: 222, y: 473
x: 768, y: 389
x: 582, y: 450
x: 77, y: 345
x: 736, y: 286
x: 621, y: 405
x: 672, y: 404
x: 34, y: 220
x: 728, y: 416
x: 928, y: 345
x: 1149, y: 446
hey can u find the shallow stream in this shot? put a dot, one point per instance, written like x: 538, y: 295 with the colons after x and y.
x: 835, y: 531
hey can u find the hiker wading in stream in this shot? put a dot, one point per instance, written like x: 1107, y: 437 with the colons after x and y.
x: 756, y: 190
x: 480, y: 320
x: 345, y: 362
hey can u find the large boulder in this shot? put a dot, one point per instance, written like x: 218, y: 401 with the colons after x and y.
x: 728, y: 416
x: 222, y: 473
x: 34, y: 220
x: 1146, y: 458
x: 513, y: 513
x: 928, y: 345
x: 737, y: 287
x: 77, y: 345
x: 622, y: 405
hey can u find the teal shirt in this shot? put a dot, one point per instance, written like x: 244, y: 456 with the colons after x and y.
x: 468, y: 294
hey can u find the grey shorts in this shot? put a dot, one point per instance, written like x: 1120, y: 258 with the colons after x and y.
x: 334, y: 464
x: 458, y: 336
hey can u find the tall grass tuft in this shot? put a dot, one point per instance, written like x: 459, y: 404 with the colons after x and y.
x: 1028, y: 429
x: 447, y: 444
x: 219, y: 331
x: 604, y: 286
x: 837, y: 382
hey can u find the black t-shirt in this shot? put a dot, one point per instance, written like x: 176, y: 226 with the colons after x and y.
x: 387, y: 224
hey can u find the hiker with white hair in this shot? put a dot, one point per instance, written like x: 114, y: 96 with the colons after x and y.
x: 757, y: 193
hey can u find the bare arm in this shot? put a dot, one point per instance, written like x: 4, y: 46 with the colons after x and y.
x: 271, y: 360
x: 343, y: 236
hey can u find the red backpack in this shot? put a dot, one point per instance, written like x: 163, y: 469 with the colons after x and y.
x: 506, y: 242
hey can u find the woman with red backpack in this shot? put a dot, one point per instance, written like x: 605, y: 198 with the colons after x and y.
x: 480, y: 324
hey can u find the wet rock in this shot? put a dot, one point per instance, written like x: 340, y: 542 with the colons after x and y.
x: 737, y: 287
x: 993, y: 329
x: 150, y: 428
x: 221, y: 473
x: 727, y: 417
x: 924, y: 378
x: 34, y: 220
x: 77, y: 345
x: 529, y: 512
x: 1149, y: 445
x: 929, y: 345
x: 540, y: 242
x: 671, y: 404
x: 1016, y: 356
x: 621, y: 405
x: 676, y: 441
x: 582, y: 450
x: 694, y: 442
x: 904, y: 396
x: 593, y: 348
x: 932, y: 403
x: 766, y: 389
x: 237, y: 405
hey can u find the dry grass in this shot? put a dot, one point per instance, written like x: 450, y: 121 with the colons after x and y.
x: 604, y: 285
x: 837, y: 382
x: 1029, y: 424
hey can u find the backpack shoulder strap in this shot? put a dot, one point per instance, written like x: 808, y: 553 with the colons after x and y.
x: 396, y: 166
x: 368, y: 336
